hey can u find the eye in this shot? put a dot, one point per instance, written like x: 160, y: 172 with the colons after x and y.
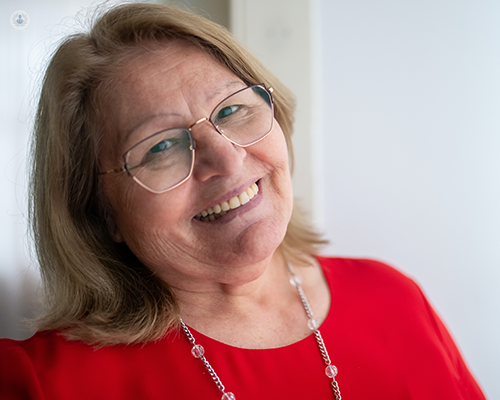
x: 227, y: 111
x: 160, y: 153
x: 163, y: 150
x: 161, y: 146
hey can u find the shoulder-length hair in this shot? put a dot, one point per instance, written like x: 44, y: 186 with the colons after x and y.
x: 96, y: 290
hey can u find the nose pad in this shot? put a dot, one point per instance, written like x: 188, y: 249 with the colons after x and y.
x: 201, y: 120
x: 215, y: 154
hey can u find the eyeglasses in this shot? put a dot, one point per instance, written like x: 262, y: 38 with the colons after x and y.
x: 165, y: 160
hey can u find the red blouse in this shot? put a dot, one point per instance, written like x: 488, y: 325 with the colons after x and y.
x: 381, y: 333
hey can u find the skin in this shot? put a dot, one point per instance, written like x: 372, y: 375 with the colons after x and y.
x: 229, y: 279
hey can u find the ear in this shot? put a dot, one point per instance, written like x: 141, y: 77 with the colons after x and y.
x: 112, y: 227
x: 117, y: 236
x: 114, y: 231
x: 106, y: 214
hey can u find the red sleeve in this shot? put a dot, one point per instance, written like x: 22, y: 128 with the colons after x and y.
x: 18, y: 379
x: 468, y: 384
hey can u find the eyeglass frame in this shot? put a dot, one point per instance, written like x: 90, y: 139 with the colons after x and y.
x: 192, y: 147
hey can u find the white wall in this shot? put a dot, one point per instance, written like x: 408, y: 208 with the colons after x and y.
x: 412, y: 153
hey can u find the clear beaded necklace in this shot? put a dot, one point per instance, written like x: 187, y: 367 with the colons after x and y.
x: 330, y: 371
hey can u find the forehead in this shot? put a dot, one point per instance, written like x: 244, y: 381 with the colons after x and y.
x: 177, y: 60
x: 173, y: 66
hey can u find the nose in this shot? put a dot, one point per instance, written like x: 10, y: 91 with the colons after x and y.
x: 215, y: 155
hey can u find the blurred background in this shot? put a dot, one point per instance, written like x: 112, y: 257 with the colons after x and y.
x: 397, y: 140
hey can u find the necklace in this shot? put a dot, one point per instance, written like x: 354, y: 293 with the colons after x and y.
x: 330, y: 371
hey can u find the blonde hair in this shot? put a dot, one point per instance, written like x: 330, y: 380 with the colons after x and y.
x: 95, y: 289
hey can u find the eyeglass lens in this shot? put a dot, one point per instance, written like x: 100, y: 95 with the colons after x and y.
x: 165, y: 159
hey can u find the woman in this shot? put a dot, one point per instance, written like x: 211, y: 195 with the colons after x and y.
x: 162, y: 212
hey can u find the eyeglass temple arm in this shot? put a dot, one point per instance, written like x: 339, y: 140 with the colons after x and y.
x: 116, y: 170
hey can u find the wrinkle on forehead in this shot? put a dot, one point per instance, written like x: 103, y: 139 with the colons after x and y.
x: 139, y: 77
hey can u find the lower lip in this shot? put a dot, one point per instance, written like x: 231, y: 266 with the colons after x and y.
x: 254, y: 202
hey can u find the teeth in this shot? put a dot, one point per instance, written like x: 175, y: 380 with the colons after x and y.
x: 250, y: 193
x: 234, y: 203
x: 213, y: 213
x: 244, y: 199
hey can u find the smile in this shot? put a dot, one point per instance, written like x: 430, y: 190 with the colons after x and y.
x: 218, y: 211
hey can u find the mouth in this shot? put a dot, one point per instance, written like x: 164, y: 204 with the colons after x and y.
x: 219, y: 210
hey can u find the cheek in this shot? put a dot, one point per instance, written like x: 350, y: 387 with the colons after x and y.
x: 282, y: 177
x: 136, y: 214
x: 273, y: 149
x: 133, y: 211
x: 277, y: 153
x: 273, y: 152
x: 140, y: 213
x: 149, y: 229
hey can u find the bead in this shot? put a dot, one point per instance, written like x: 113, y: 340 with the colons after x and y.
x: 331, y: 371
x: 295, y: 280
x: 313, y: 324
x: 228, y: 396
x: 198, y: 351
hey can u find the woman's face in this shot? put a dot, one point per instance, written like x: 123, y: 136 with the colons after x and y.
x: 176, y: 86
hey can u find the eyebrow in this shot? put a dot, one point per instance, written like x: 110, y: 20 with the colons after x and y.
x: 145, y: 120
x: 223, y: 88
x: 208, y: 98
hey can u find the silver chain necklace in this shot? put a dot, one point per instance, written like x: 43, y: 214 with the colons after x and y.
x: 330, y: 371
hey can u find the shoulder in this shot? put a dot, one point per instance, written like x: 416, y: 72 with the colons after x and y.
x: 357, y: 266
x: 376, y: 293
x: 24, y: 363
x: 18, y: 369
x: 18, y: 347
x: 377, y: 299
x: 387, y: 321
x: 40, y: 346
x: 49, y: 366
x: 366, y: 275
x: 27, y: 354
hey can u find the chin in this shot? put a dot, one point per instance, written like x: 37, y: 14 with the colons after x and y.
x: 253, y: 247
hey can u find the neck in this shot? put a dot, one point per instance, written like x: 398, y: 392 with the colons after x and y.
x: 252, y: 285
x: 265, y: 312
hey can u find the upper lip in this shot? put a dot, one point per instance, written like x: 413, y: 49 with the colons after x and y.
x: 230, y: 194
